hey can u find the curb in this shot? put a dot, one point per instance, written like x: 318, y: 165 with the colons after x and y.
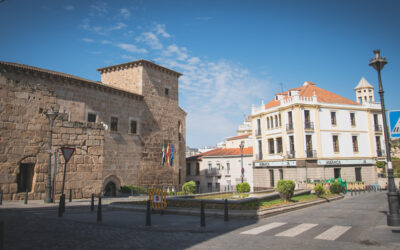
x: 232, y: 213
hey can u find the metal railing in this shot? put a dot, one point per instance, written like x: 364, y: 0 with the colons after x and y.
x: 378, y: 128
x: 311, y: 153
x: 259, y: 156
x: 309, y: 125
x: 380, y: 152
x: 258, y: 132
x: 291, y: 154
x: 213, y: 172
x: 289, y: 127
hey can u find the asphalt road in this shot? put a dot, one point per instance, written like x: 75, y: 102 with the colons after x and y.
x: 352, y: 223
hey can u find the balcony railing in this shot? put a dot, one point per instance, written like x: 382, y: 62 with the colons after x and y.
x: 380, y: 152
x: 289, y: 127
x: 309, y: 125
x: 378, y: 128
x: 259, y: 156
x: 291, y: 154
x: 213, y: 172
x: 311, y: 153
x: 258, y: 132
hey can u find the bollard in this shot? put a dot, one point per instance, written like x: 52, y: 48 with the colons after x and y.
x: 1, y: 198
x: 63, y: 203
x: 226, y: 217
x: 99, y: 210
x: 70, y: 195
x: 60, y: 209
x: 148, y: 214
x: 92, y: 204
x: 202, y: 215
x: 26, y: 197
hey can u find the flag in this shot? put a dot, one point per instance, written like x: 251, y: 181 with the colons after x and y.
x: 163, y: 154
x: 167, y: 156
x: 172, y: 155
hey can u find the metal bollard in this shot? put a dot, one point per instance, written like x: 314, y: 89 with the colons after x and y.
x: 99, y: 210
x: 226, y: 217
x: 63, y: 203
x: 60, y: 207
x: 1, y: 198
x: 70, y: 195
x: 92, y: 204
x: 26, y: 197
x: 202, y: 215
x: 148, y: 214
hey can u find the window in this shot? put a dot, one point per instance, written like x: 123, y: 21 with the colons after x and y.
x: 260, y: 156
x: 355, y: 144
x: 197, y: 186
x: 91, y: 117
x: 228, y: 167
x: 133, y: 127
x: 271, y: 148
x: 360, y: 99
x: 197, y: 168
x: 365, y: 98
x: 281, y: 174
x: 280, y: 124
x: 25, y: 177
x: 114, y: 124
x: 279, y: 145
x: 353, y: 119
x: 358, y: 174
x: 209, y: 167
x: 307, y: 116
x: 258, y: 127
x: 166, y: 91
x: 335, y: 139
x: 290, y: 119
x: 179, y: 131
x: 187, y: 169
x: 370, y: 99
x: 333, y: 118
x: 271, y: 177
x: 209, y: 186
x: 272, y: 122
x: 336, y: 173
x: 218, y: 167
x: 291, y: 146
x: 217, y: 187
x: 267, y: 122
x: 276, y: 121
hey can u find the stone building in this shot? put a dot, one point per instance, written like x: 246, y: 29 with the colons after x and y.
x: 118, y: 127
x: 308, y: 133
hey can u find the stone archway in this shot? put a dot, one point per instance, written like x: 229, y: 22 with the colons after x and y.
x: 111, y: 186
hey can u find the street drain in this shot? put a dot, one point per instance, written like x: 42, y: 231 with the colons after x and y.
x: 369, y: 242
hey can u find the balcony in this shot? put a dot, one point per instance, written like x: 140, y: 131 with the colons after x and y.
x: 309, y: 126
x: 311, y: 153
x: 258, y: 132
x: 291, y: 154
x: 213, y: 172
x: 380, y: 153
x: 289, y: 127
x: 378, y: 128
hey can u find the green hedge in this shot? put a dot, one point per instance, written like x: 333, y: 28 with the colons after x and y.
x: 243, y: 187
x: 189, y: 187
x: 335, y: 188
x: 319, y: 190
x: 127, y: 189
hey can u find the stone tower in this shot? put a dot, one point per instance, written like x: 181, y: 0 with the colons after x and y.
x: 364, y: 92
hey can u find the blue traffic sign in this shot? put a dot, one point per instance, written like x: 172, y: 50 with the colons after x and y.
x: 394, y: 122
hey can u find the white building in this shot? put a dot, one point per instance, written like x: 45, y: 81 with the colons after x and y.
x: 311, y: 133
x: 220, y: 169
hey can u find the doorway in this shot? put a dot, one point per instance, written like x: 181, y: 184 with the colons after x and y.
x: 110, y: 189
x: 25, y: 177
x: 271, y: 178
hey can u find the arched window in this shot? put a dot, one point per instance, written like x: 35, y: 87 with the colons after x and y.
x: 276, y: 121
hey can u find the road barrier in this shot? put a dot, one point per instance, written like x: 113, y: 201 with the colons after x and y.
x: 92, y: 203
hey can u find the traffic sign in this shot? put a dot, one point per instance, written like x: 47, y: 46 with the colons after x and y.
x: 67, y: 153
x: 394, y: 122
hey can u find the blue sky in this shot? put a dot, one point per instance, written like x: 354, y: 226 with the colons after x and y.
x: 232, y: 53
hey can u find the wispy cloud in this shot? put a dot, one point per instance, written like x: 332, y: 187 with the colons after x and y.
x: 125, y: 13
x: 204, y: 18
x: 131, y: 48
x: 101, y: 30
x: 160, y: 30
x: 150, y: 39
x: 99, y: 8
x: 69, y: 7
x: 87, y: 40
x: 105, y: 42
x: 179, y: 53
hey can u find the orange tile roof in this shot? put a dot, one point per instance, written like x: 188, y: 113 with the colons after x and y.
x: 223, y: 152
x: 308, y: 90
x: 238, y: 137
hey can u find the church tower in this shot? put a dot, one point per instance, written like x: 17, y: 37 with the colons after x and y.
x: 364, y: 92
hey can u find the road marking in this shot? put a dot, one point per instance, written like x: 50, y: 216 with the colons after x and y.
x: 332, y: 233
x: 296, y: 230
x: 263, y: 228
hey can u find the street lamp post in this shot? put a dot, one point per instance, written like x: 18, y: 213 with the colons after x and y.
x: 51, y: 115
x: 393, y: 217
x: 241, y: 155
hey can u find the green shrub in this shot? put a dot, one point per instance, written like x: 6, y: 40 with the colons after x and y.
x: 380, y: 164
x: 319, y: 190
x: 189, y: 187
x: 286, y: 189
x: 180, y: 193
x: 127, y: 189
x: 335, y: 188
x: 243, y: 187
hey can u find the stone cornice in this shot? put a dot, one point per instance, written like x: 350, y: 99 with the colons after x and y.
x: 71, y: 79
x: 137, y: 63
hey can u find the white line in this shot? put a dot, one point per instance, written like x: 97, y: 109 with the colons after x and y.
x: 263, y: 228
x: 332, y: 233
x: 296, y: 230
